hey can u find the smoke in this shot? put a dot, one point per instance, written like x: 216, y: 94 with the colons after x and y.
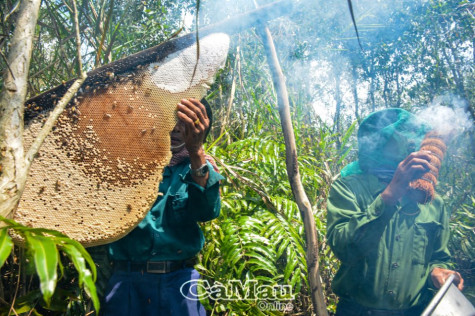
x: 319, y: 52
x: 447, y: 114
x: 215, y: 11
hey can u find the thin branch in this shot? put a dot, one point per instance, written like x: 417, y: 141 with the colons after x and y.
x: 197, y: 41
x: 249, y: 183
x: 12, y: 309
x: 59, y: 108
x: 67, y: 6
x: 113, y: 36
x: 78, y: 40
x: 230, y: 102
x: 46, y: 129
x: 293, y: 172
x: 104, y: 33
x: 53, y: 20
x: 8, y: 66
x: 39, y: 72
x: 15, y: 8
x: 350, y: 6
x: 93, y: 10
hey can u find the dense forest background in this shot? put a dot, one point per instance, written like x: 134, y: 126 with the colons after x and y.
x: 410, y: 54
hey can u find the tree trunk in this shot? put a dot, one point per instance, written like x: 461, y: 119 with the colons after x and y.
x: 301, y: 198
x: 372, y: 87
x: 398, y: 90
x: 386, y: 91
x: 231, y: 98
x: 473, y: 49
x: 336, y: 120
x: 14, y: 163
x: 12, y: 97
x: 354, y: 74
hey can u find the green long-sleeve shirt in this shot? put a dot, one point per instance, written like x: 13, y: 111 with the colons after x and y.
x: 170, y: 231
x: 386, y: 252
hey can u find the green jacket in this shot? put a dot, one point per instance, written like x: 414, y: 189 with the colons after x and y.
x: 170, y: 231
x: 386, y: 253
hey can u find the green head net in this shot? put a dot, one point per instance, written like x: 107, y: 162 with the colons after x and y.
x: 385, y: 138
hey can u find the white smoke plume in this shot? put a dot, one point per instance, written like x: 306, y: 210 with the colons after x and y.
x: 448, y: 115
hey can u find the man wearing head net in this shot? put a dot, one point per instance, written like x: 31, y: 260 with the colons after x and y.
x: 392, y: 249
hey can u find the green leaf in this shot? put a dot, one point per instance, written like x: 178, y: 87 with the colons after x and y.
x: 85, y: 277
x: 291, y: 265
x: 282, y: 247
x: 260, y: 263
x: 68, y: 241
x: 344, y: 155
x: 6, y: 245
x: 235, y: 257
x: 7, y: 221
x: 268, y: 252
x: 45, y: 256
x: 24, y: 304
x: 295, y: 280
x: 347, y: 135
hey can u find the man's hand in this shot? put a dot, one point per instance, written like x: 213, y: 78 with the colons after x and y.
x: 193, y: 114
x: 439, y: 276
x: 411, y: 168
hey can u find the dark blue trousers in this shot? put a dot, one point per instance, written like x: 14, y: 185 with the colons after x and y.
x: 144, y: 294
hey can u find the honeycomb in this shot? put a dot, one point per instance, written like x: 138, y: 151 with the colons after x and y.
x: 97, y: 174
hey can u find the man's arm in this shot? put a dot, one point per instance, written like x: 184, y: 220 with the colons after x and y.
x: 353, y: 231
x: 193, y: 114
x: 408, y: 170
x: 204, y: 203
x: 439, y: 260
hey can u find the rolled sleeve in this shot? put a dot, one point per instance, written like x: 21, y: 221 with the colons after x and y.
x: 204, y: 203
x: 379, y: 209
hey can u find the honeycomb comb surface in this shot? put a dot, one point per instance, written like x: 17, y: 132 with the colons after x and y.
x: 97, y: 173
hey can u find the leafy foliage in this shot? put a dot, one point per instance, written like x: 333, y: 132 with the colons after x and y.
x: 6, y: 245
x: 43, y: 247
x: 412, y: 51
x: 109, y: 30
x: 259, y: 235
x: 456, y: 186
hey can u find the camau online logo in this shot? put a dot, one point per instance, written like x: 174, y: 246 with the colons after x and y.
x: 235, y: 290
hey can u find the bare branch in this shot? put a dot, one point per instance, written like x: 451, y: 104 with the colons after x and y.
x: 78, y: 40
x: 67, y: 6
x: 230, y: 101
x: 104, y: 33
x: 293, y: 172
x: 15, y: 8
x: 8, y: 66
x: 46, y: 129
x: 59, y: 108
